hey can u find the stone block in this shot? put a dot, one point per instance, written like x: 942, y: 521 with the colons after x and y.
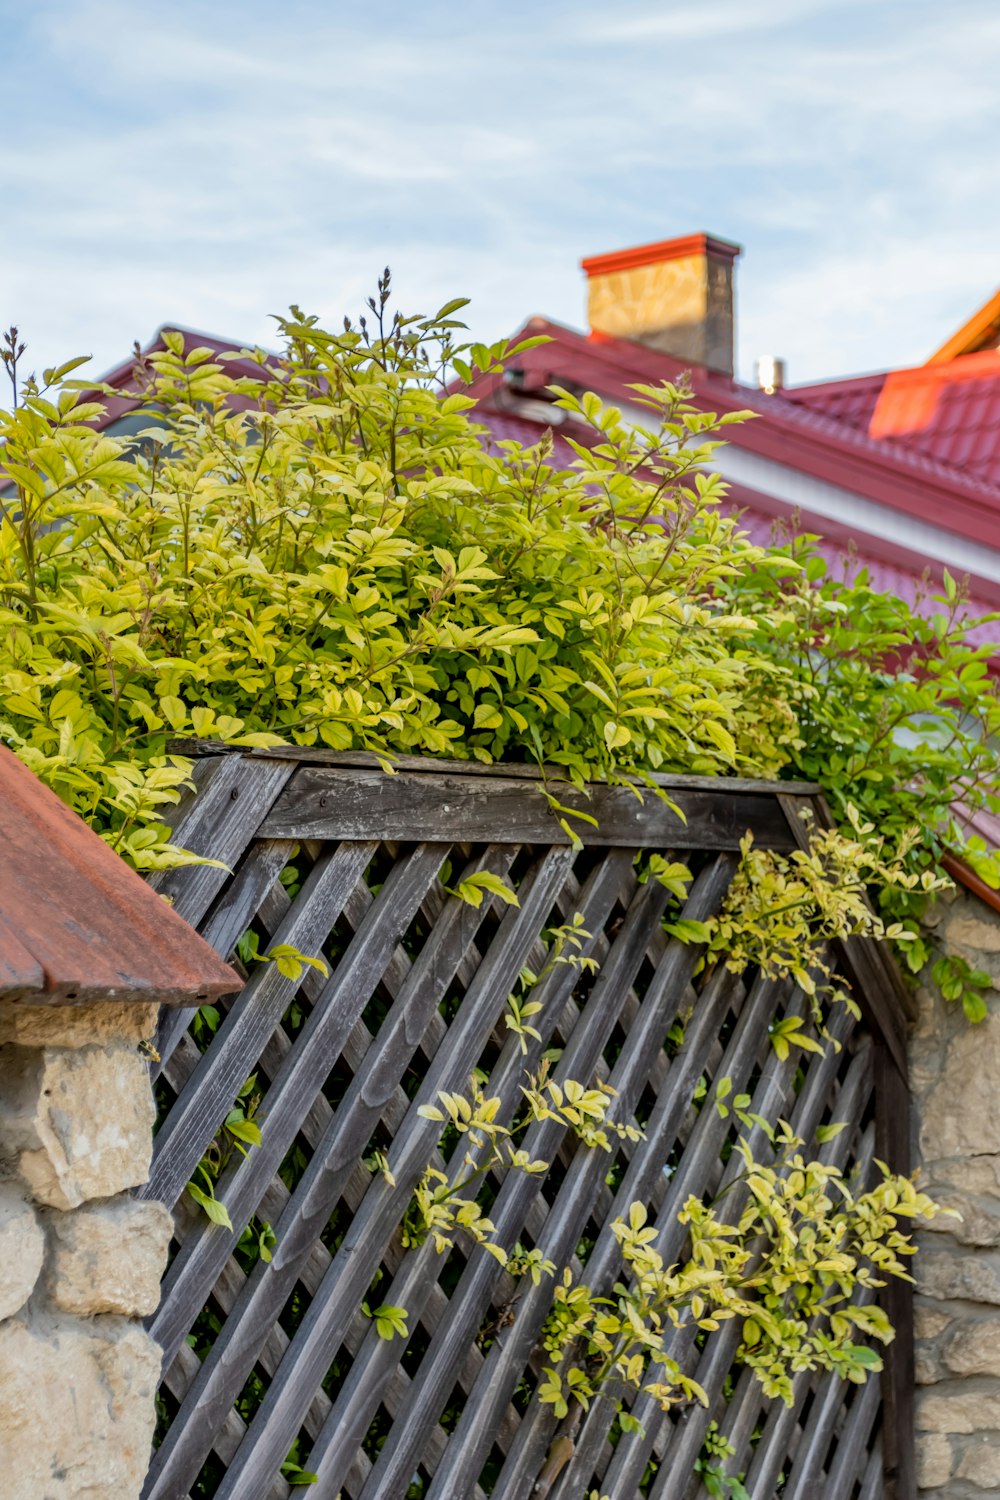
x: 929, y: 1321
x: 980, y: 1463
x: 22, y: 1249
x: 974, y: 933
x: 109, y: 1257
x: 958, y: 1409
x: 972, y: 1179
x: 76, y: 1124
x: 926, y: 1026
x: 927, y: 1367
x: 76, y: 1025
x: 959, y: 1114
x: 972, y: 1220
x: 949, y: 1275
x: 973, y: 1347
x: 934, y: 1461
x: 78, y: 1408
x: 970, y: 1186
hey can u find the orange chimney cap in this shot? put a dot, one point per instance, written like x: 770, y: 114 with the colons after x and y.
x: 649, y: 255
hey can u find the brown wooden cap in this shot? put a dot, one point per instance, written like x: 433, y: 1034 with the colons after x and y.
x: 76, y: 923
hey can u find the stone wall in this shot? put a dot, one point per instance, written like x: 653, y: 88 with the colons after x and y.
x: 955, y: 1077
x: 80, y: 1260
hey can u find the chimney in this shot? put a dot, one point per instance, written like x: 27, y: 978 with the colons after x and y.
x: 770, y: 372
x: 675, y: 296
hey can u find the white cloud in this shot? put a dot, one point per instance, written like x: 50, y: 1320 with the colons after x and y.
x: 211, y: 164
x: 709, y: 20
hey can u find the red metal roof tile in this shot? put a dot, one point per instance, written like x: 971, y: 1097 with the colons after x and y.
x: 76, y: 924
x: 949, y: 412
x: 849, y: 401
x: 20, y: 973
x: 891, y: 472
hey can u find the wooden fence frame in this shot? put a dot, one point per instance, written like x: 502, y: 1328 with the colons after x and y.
x: 258, y: 800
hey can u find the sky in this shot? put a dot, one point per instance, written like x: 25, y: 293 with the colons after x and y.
x: 209, y: 164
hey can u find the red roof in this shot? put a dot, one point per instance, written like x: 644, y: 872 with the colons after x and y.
x: 849, y: 401
x: 76, y: 924
x: 831, y: 426
x: 808, y: 442
x: 948, y: 411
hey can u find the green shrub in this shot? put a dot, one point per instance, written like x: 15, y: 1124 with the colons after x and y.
x: 345, y: 564
x: 898, y: 715
x: 348, y: 561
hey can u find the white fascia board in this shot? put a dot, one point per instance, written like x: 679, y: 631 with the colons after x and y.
x: 856, y: 511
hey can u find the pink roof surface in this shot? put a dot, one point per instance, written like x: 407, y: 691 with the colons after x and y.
x: 948, y: 411
x: 894, y: 474
x: 849, y: 401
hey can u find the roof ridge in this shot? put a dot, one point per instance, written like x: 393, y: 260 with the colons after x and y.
x: 915, y: 463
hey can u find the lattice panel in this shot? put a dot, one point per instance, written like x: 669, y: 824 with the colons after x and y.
x: 267, y: 1359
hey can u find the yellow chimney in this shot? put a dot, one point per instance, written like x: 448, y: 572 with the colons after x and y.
x: 676, y: 296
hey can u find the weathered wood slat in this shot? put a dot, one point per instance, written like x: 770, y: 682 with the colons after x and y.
x: 182, y: 1371
x: 628, y: 1463
x: 779, y: 1444
x: 297, y: 1083
x: 225, y: 926
x: 237, y: 1044
x: 685, y: 1440
x: 875, y: 981
x: 473, y: 1295
x: 335, y: 804
x: 217, y: 821
x: 363, y: 1388
x: 566, y: 1217
x: 312, y: 1202
x: 810, y: 1455
x: 892, y: 1127
x: 643, y: 1176
x: 178, y: 1378
x: 813, y: 1446
x: 700, y: 1170
x: 871, y: 1484
x: 876, y: 999
x: 322, y: 1327
x: 433, y: 765
x: 410, y: 1287
x: 848, y: 1463
x: 300, y: 1078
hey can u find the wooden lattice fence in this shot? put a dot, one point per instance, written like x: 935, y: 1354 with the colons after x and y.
x: 266, y: 1358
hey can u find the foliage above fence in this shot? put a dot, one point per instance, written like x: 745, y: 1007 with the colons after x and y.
x: 499, y: 1207
x: 330, y: 555
x: 344, y: 563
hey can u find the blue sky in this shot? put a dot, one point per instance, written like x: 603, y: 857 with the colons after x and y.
x: 211, y: 163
